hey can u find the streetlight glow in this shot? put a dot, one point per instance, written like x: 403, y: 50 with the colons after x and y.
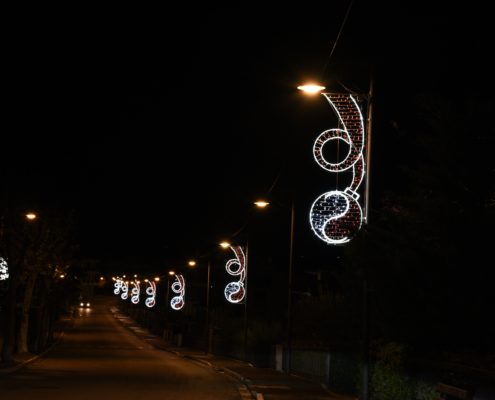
x: 157, y: 279
x: 191, y: 263
x: 171, y: 273
x: 311, y: 88
x: 225, y: 245
x: 261, y: 203
x: 31, y: 216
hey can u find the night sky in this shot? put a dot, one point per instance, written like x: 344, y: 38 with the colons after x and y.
x: 160, y: 127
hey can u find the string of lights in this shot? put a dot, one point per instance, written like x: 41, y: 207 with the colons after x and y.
x: 151, y: 292
x: 235, y: 291
x: 336, y: 216
x: 179, y: 287
x: 135, y: 292
x: 4, y: 269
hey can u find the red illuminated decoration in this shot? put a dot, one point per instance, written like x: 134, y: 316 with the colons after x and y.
x: 179, y: 287
x: 336, y: 216
x: 235, y: 291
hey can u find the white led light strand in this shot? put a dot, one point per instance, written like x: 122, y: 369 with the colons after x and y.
x: 235, y: 291
x: 117, y: 286
x: 125, y: 290
x: 151, y: 292
x: 4, y: 269
x: 135, y: 291
x: 179, y: 287
x: 336, y: 216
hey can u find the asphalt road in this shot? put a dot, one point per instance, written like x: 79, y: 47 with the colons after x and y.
x: 99, y: 359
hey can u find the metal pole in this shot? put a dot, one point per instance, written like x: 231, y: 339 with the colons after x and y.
x: 167, y: 297
x: 368, y: 149
x: 289, y: 297
x: 245, y: 305
x: 365, y: 344
x: 207, y: 323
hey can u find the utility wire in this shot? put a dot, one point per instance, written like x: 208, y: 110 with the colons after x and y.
x: 338, y: 37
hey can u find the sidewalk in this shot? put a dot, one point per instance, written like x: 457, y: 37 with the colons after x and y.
x: 262, y: 383
x: 21, y: 360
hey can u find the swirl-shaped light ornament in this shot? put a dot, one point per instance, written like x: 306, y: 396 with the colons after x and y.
x: 336, y: 216
x: 4, y: 269
x: 179, y: 287
x: 151, y: 292
x: 117, y: 286
x: 125, y: 290
x: 135, y: 292
x: 236, y: 291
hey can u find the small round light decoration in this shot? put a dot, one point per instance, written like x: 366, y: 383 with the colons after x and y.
x: 336, y: 216
x: 179, y: 287
x: 4, y: 269
x: 236, y: 291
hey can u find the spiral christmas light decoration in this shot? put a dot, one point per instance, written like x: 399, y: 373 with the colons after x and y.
x: 125, y: 290
x: 117, y: 286
x: 179, y: 287
x: 336, y: 216
x: 135, y: 292
x: 4, y: 269
x: 151, y: 292
x: 236, y: 291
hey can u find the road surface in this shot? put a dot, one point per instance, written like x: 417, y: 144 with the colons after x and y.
x: 99, y: 359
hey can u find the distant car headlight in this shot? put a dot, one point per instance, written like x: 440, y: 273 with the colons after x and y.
x: 88, y: 304
x: 81, y: 304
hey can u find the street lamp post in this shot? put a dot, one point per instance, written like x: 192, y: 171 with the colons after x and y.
x: 315, y: 89
x: 207, y: 322
x: 289, y: 298
x: 233, y: 289
x: 208, y: 344
x: 288, y: 339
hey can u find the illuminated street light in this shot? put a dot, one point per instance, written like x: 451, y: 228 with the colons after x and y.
x: 171, y: 273
x: 337, y: 215
x: 224, y: 245
x: 311, y: 88
x: 191, y: 263
x: 31, y: 216
x: 157, y: 279
x: 261, y: 203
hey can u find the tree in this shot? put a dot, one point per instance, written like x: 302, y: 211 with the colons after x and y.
x: 423, y: 249
x: 39, y: 252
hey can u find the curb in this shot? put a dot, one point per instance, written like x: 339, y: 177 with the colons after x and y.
x: 228, y: 371
x: 5, y: 371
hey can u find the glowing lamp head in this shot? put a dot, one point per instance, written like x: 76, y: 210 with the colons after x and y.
x: 171, y: 273
x: 225, y: 245
x: 31, y: 216
x: 157, y: 279
x: 261, y: 204
x: 311, y: 88
x: 191, y: 263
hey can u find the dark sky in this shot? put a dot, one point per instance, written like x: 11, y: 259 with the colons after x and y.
x: 160, y: 126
